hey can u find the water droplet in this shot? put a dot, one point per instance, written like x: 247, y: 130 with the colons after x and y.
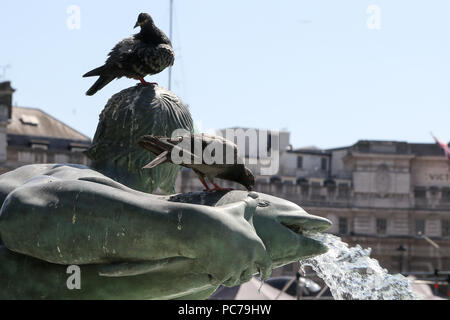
x: 260, y: 287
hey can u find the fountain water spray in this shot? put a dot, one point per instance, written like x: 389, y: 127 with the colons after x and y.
x: 351, y: 274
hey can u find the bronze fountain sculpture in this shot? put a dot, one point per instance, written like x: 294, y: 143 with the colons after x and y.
x: 127, y: 242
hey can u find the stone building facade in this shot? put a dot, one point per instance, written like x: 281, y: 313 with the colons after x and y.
x: 390, y: 196
x: 29, y: 135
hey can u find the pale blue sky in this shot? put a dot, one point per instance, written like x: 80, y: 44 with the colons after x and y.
x: 311, y: 67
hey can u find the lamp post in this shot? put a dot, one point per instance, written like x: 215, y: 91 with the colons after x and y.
x: 401, y: 249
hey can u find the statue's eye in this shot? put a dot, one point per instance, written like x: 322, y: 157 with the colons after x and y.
x: 263, y: 203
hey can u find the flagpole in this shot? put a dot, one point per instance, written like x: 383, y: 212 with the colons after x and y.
x: 433, y: 136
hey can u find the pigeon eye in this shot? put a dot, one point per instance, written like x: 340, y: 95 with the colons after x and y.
x: 263, y: 203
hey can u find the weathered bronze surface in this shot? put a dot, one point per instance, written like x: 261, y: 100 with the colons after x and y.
x: 128, y: 243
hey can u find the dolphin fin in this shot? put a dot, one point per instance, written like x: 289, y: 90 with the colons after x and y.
x: 245, y: 208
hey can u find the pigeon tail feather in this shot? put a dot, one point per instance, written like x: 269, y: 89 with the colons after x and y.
x: 95, y: 72
x: 155, y: 145
x: 158, y: 160
x: 99, y: 84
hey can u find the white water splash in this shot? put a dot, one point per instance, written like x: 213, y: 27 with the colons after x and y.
x: 351, y: 274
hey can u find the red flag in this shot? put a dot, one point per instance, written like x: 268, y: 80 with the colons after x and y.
x: 444, y: 146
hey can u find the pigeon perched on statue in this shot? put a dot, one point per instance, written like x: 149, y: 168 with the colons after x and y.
x: 146, y: 53
x: 201, y: 153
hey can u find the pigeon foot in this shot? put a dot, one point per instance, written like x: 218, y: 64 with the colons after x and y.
x: 148, y: 84
x: 204, y: 184
x: 219, y: 188
x: 145, y: 83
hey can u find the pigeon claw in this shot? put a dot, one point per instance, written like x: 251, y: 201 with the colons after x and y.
x: 145, y: 83
x: 142, y: 80
x: 219, y: 188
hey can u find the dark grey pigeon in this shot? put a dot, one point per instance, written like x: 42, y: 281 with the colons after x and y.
x: 198, y: 152
x: 145, y: 53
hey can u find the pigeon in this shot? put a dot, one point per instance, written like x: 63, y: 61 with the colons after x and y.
x: 203, y: 162
x: 145, y: 53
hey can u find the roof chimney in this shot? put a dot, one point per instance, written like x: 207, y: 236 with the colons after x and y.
x: 6, y: 93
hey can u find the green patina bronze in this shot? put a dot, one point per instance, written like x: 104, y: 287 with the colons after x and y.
x: 127, y: 116
x: 128, y: 243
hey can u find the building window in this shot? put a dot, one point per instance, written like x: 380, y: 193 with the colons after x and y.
x: 25, y: 156
x: 304, y: 189
x: 445, y: 194
x: 29, y: 120
x: 40, y: 157
x: 381, y: 226
x: 315, y: 190
x: 419, y: 226
x: 445, y: 228
x: 323, y: 164
x: 420, y: 193
x: 343, y: 191
x: 343, y: 225
x: 434, y: 191
x: 269, y: 143
x: 78, y: 158
x: 299, y: 162
x: 62, y: 158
